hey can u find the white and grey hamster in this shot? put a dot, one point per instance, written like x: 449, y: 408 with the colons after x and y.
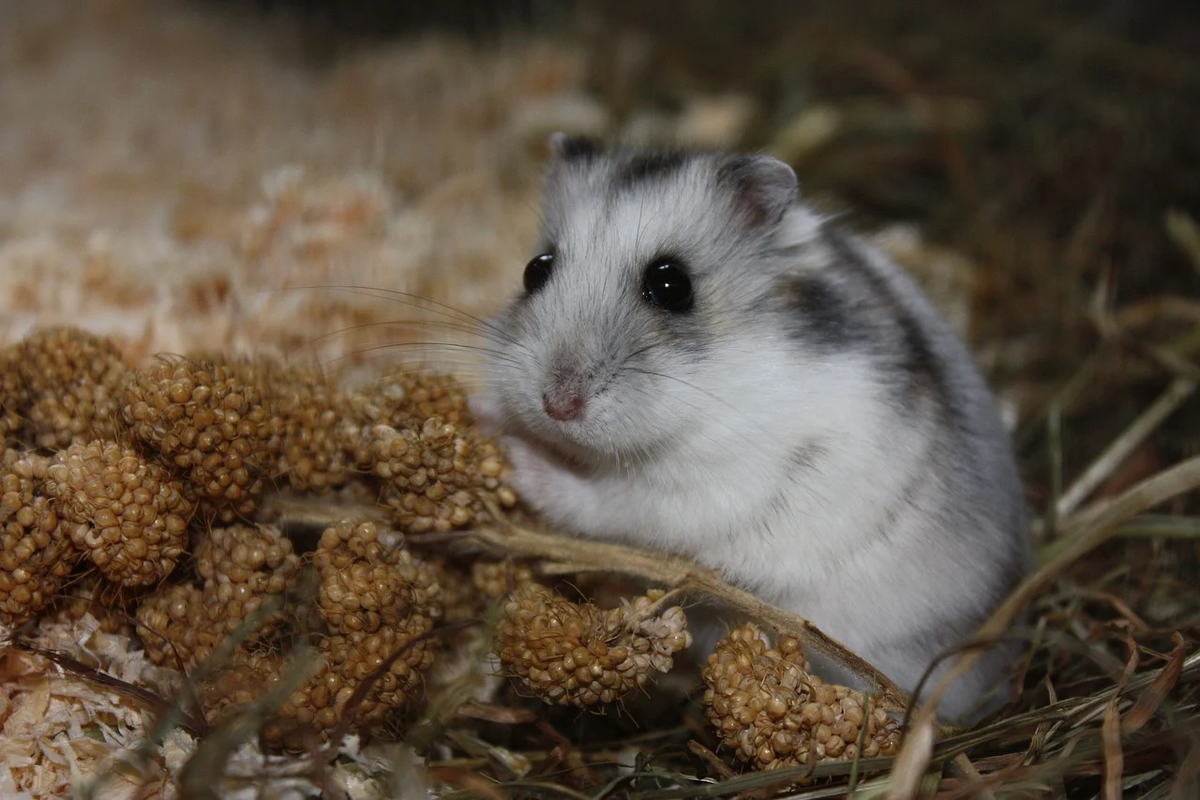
x: 700, y: 363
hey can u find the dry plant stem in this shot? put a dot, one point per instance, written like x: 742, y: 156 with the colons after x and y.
x: 1079, y: 538
x: 1120, y: 449
x: 567, y: 555
x: 1185, y: 233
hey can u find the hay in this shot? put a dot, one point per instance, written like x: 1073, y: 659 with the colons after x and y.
x: 171, y: 168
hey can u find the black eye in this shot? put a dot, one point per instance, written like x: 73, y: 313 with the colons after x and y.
x: 667, y: 285
x: 537, y: 272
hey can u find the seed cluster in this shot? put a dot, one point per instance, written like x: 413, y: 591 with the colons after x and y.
x: 111, y: 605
x: 138, y: 469
x: 578, y: 654
x: 13, y: 397
x: 71, y: 383
x: 373, y: 603
x: 401, y: 398
x: 438, y: 472
x: 436, y: 476
x: 772, y: 712
x: 496, y: 579
x: 36, y: 556
x: 128, y: 514
x: 314, y: 455
x: 213, y: 421
x: 468, y: 588
x: 240, y: 567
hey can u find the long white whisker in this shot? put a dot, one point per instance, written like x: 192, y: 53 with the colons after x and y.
x: 408, y: 299
x: 415, y: 324
x: 697, y: 389
x: 418, y: 347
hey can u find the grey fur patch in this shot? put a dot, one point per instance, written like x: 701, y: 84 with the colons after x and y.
x: 806, y: 457
x: 650, y: 165
x: 816, y: 313
x: 916, y: 356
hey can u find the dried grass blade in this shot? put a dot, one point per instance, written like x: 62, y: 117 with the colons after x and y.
x: 1151, y: 698
x: 1185, y: 233
x: 1114, y: 757
x: 913, y: 760
x: 1188, y: 780
x: 1121, y: 447
x: 1078, y: 539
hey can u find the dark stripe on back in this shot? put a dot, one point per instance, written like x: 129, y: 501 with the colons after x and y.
x: 817, y: 314
x: 917, y: 358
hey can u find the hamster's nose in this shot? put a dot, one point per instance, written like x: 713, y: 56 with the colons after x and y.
x: 564, y: 407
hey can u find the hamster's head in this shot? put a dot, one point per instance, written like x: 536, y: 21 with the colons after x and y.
x: 638, y: 309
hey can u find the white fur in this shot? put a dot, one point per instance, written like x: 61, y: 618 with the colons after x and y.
x: 703, y: 462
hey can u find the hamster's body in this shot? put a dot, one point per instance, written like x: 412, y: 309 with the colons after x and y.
x: 805, y: 422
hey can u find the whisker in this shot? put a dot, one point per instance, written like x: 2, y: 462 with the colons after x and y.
x: 688, y: 384
x: 694, y: 388
x: 711, y: 440
x: 416, y: 346
x: 405, y: 298
x: 448, y: 325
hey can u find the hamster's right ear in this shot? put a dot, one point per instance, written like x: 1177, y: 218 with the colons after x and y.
x: 764, y: 187
x: 571, y: 147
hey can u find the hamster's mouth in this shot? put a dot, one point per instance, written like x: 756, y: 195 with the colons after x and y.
x: 566, y: 454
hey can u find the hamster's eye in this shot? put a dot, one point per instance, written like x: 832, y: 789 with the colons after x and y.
x: 667, y: 285
x: 537, y: 272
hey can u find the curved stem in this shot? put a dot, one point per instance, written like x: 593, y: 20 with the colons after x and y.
x: 561, y: 555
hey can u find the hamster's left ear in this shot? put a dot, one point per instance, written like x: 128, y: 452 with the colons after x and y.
x: 764, y: 187
x: 569, y: 147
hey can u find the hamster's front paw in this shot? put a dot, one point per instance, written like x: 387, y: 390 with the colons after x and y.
x: 532, y: 471
x: 485, y: 407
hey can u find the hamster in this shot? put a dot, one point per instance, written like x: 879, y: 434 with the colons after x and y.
x: 700, y: 363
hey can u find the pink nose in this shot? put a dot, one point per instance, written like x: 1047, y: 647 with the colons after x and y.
x: 563, y: 408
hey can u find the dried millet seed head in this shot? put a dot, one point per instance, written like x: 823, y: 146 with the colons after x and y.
x: 112, y: 605
x: 214, y: 421
x: 769, y: 709
x: 14, y: 395
x: 366, y: 585
x: 241, y: 567
x: 436, y: 476
x: 313, y: 454
x: 409, y: 420
x: 496, y: 579
x: 375, y: 601
x: 36, y: 556
x: 72, y: 380
x: 577, y: 654
x: 241, y: 683
x: 349, y: 659
x: 468, y: 588
x: 405, y: 398
x: 320, y: 703
x: 129, y: 515
x: 175, y: 627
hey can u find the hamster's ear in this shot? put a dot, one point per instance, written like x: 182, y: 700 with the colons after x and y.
x: 764, y: 187
x: 568, y: 147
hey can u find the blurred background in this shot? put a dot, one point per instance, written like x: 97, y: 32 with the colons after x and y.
x: 170, y: 166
